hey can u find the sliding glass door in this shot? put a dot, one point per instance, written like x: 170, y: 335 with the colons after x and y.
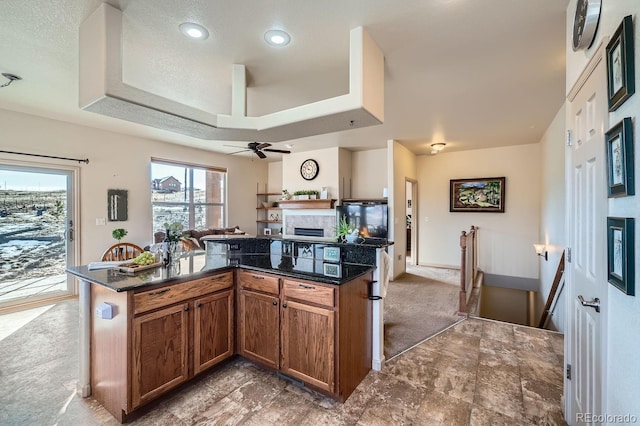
x: 36, y: 234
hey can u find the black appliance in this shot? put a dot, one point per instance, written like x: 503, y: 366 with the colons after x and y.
x: 371, y: 219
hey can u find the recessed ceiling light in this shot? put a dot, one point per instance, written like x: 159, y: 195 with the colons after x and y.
x: 193, y: 30
x: 277, y: 38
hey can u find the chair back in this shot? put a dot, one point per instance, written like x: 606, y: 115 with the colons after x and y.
x: 122, y: 251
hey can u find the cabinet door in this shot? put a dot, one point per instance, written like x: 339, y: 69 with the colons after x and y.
x: 213, y: 330
x: 308, y: 340
x: 259, y: 325
x: 160, y: 345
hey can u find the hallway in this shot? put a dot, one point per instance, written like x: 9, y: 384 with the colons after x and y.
x: 478, y: 372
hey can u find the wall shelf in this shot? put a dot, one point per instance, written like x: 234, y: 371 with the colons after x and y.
x: 306, y: 204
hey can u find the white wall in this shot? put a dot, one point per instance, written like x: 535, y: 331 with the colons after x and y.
x: 552, y: 213
x: 328, y: 174
x: 623, y: 328
x: 403, y: 163
x: 119, y: 161
x: 505, y: 240
x: 275, y: 176
x: 369, y: 176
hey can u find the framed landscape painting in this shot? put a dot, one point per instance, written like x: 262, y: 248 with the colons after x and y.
x: 477, y: 195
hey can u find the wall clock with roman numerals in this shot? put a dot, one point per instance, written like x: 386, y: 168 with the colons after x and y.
x: 585, y: 23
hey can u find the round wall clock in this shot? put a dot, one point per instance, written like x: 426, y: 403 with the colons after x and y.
x: 309, y: 169
x: 585, y: 23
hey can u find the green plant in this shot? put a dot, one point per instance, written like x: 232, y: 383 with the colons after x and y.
x: 343, y: 229
x: 306, y: 192
x: 174, y: 230
x: 119, y: 233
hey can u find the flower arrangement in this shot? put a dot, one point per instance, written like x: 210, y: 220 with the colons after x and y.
x: 174, y: 231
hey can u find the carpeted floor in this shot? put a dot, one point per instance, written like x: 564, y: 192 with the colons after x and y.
x: 418, y: 305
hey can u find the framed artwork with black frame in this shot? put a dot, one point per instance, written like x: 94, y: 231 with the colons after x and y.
x: 477, y: 195
x: 619, y: 143
x: 621, y: 254
x: 620, y: 68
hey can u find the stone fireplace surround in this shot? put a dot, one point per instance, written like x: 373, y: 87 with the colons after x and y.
x: 324, y: 219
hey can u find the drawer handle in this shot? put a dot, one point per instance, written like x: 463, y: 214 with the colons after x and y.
x: 306, y: 286
x: 257, y: 277
x: 218, y: 278
x: 155, y: 293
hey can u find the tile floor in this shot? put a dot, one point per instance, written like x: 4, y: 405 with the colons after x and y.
x: 478, y: 372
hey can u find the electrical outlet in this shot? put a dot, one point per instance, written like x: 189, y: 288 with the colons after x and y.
x: 101, y: 221
x: 399, y: 257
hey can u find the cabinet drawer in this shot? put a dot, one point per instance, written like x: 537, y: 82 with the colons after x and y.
x: 308, y: 292
x: 165, y: 296
x: 256, y: 281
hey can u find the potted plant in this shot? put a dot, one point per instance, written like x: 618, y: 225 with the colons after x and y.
x: 119, y: 233
x: 345, y: 233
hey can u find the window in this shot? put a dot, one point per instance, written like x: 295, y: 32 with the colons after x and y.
x: 192, y: 195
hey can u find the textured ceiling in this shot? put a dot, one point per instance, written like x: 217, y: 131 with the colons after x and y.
x: 470, y: 73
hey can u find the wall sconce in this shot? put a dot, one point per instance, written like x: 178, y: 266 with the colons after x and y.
x: 540, y: 251
x: 437, y: 147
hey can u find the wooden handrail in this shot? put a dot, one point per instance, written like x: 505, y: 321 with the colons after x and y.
x: 552, y: 292
x: 468, y: 266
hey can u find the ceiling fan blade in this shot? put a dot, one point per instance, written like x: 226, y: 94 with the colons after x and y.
x: 263, y: 145
x: 283, y: 151
x: 261, y: 154
x: 238, y: 152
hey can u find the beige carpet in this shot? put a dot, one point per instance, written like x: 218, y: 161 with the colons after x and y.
x: 419, y: 304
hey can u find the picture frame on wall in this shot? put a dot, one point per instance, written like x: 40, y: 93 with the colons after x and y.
x: 477, y: 195
x: 620, y: 65
x: 619, y: 143
x: 267, y: 231
x: 621, y: 254
x: 117, y: 205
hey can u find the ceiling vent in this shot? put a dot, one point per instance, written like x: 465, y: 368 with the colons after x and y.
x: 102, y: 91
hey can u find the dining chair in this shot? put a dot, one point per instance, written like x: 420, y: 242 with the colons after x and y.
x: 122, y: 251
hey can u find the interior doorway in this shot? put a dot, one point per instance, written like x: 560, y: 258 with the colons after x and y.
x: 37, y: 242
x: 411, y: 215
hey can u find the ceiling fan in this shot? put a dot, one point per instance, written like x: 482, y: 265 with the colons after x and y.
x: 258, y: 149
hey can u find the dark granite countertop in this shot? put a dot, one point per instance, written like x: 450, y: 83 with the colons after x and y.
x: 198, y: 264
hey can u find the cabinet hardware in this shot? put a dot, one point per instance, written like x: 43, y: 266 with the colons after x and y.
x: 155, y: 293
x: 275, y: 302
x: 218, y: 278
x: 186, y: 308
x: 198, y: 304
x: 257, y: 277
x: 307, y: 286
x: 284, y: 305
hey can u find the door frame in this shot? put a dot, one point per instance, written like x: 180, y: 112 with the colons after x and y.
x: 414, y: 217
x: 73, y: 213
x: 569, y: 348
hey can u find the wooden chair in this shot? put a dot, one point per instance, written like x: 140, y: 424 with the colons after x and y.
x: 122, y: 251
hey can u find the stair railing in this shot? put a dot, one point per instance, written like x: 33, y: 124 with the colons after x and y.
x: 468, y: 266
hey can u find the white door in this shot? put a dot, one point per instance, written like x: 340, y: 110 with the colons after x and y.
x: 587, y: 120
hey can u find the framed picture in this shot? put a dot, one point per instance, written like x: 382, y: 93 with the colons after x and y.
x: 620, y: 254
x: 619, y: 142
x: 117, y: 205
x: 620, y: 69
x: 267, y: 231
x: 477, y: 195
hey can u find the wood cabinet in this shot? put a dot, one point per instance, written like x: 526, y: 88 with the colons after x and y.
x: 158, y: 339
x: 313, y: 340
x: 160, y: 352
x: 308, y: 333
x: 259, y: 318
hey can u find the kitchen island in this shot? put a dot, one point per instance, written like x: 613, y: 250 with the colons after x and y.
x: 146, y: 333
